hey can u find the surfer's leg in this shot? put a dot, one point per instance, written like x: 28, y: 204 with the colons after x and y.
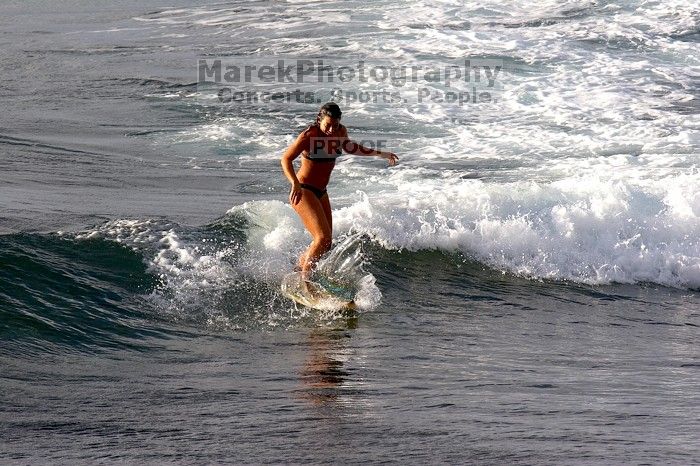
x: 313, y: 216
x: 326, y: 204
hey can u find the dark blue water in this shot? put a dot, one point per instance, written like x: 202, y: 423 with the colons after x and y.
x: 459, y: 365
x: 527, y: 299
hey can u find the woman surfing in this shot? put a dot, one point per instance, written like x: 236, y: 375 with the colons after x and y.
x: 319, y: 144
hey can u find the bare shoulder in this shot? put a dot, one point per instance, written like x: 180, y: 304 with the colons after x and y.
x: 309, y: 132
x: 306, y: 134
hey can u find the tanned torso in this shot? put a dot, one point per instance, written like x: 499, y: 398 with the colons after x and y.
x: 318, y: 173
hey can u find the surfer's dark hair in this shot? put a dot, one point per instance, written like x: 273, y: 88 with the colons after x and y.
x: 329, y: 108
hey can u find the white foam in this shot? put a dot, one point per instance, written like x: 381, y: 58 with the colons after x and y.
x: 586, y: 168
x: 591, y: 230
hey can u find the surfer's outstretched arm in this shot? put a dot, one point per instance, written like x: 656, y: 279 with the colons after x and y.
x: 352, y: 147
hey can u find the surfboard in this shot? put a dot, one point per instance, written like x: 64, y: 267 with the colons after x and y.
x: 320, y: 297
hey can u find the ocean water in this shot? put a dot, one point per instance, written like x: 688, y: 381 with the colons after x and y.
x: 527, y: 275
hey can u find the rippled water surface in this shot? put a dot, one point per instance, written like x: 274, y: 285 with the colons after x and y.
x: 527, y: 275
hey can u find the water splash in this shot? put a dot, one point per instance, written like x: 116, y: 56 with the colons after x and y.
x: 342, y: 271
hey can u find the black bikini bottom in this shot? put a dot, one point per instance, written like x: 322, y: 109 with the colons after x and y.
x: 317, y: 192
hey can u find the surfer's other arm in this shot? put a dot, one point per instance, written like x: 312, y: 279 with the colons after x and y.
x: 297, y: 147
x: 354, y: 148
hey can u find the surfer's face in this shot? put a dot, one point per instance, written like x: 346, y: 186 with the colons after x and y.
x: 329, y: 125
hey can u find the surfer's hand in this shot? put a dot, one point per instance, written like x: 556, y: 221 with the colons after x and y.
x: 390, y: 157
x: 295, y: 194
